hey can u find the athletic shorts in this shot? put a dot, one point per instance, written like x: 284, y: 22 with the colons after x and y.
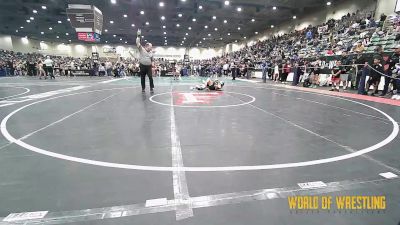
x: 374, y: 80
x: 335, y: 79
x: 344, y: 77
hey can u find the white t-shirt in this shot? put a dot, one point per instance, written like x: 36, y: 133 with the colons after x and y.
x: 108, y: 65
x: 48, y: 62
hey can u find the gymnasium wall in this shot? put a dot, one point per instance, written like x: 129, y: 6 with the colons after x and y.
x: 26, y: 45
x: 385, y: 6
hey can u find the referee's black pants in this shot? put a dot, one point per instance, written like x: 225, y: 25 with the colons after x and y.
x: 143, y: 71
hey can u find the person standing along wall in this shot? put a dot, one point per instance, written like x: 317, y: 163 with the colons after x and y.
x: 264, y: 71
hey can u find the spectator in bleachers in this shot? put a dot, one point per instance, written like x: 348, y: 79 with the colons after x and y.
x: 375, y: 75
x: 359, y: 48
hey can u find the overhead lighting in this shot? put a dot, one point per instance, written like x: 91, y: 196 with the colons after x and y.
x: 163, y: 18
x: 177, y: 25
x: 220, y: 38
x: 225, y: 21
x: 294, y: 17
x: 205, y: 26
x: 200, y: 42
x: 50, y: 28
x: 239, y: 9
x: 272, y: 26
x: 147, y: 23
x: 142, y: 12
x: 186, y: 34
x: 120, y: 39
x: 66, y: 34
x: 194, y: 19
x: 125, y: 16
x: 235, y: 40
x: 31, y: 18
x: 214, y: 17
x: 245, y: 37
x: 44, y: 7
x: 256, y: 32
x: 161, y: 4
x: 216, y: 29
x: 59, y: 21
x: 180, y: 15
x: 28, y: 21
x: 274, y: 8
x: 114, y: 35
x: 113, y: 1
x: 58, y: 37
x: 253, y: 20
x: 112, y: 22
x: 21, y: 27
x: 34, y: 11
x: 238, y: 28
x: 126, y: 42
x: 329, y: 3
x: 165, y: 38
x: 164, y: 27
x: 184, y: 38
x: 226, y: 2
x: 68, y: 20
x: 200, y: 7
x: 145, y: 40
x: 183, y: 0
x: 105, y: 30
x: 16, y: 31
x: 209, y: 35
x: 106, y: 41
x: 181, y: 44
x: 42, y: 33
x: 229, y: 34
x: 189, y: 28
x: 165, y: 32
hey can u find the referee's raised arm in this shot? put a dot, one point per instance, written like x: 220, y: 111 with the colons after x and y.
x: 139, y: 33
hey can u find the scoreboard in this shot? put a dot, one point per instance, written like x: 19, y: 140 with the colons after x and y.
x: 85, y: 18
x: 88, y: 36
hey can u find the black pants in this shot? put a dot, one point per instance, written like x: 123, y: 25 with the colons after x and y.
x: 49, y: 72
x: 284, y: 77
x: 358, y: 78
x: 143, y: 71
x: 387, y: 82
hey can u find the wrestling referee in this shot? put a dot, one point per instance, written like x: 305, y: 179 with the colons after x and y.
x: 145, y: 61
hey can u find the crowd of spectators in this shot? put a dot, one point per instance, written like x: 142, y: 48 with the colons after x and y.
x: 338, y: 47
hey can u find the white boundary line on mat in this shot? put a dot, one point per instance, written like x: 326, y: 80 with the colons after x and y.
x: 29, y: 147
